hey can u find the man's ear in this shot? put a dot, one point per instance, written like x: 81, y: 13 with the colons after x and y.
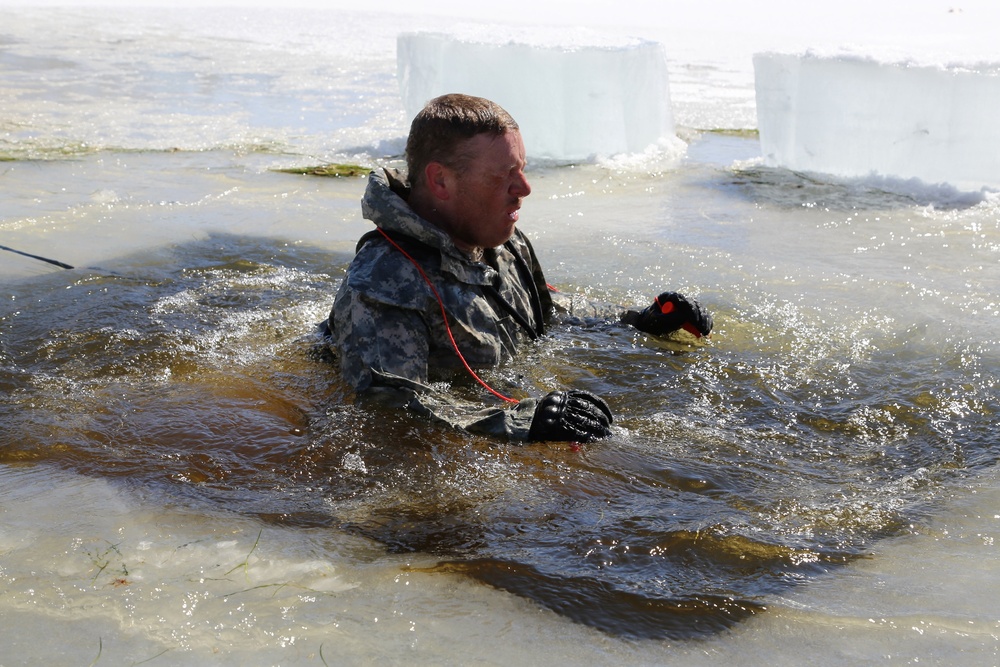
x: 440, y: 180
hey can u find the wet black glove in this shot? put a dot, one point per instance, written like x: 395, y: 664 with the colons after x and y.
x: 669, y: 312
x: 571, y: 415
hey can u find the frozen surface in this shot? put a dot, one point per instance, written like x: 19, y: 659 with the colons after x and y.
x: 162, y: 417
x: 855, y: 116
x: 588, y: 95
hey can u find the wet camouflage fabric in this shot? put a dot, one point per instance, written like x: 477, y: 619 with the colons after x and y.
x: 388, y: 332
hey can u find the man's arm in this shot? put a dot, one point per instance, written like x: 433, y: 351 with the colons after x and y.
x: 669, y: 312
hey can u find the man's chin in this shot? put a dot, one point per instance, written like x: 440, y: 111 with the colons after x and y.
x: 509, y: 234
x: 503, y: 234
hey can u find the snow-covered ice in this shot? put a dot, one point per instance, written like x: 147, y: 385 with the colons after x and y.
x: 576, y: 94
x: 853, y: 116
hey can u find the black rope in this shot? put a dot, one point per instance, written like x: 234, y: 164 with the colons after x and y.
x: 528, y: 279
x: 513, y: 312
x: 38, y: 257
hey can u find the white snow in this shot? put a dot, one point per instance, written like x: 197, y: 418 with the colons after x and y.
x: 576, y: 94
x: 855, y: 117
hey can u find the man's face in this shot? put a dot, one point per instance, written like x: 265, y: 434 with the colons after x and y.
x: 488, y: 191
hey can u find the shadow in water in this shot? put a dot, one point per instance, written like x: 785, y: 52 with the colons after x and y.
x: 599, y: 604
x: 785, y: 188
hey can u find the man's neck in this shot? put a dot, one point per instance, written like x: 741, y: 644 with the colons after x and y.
x: 424, y: 206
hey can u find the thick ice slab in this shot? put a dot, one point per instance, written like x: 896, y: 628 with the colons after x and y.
x: 576, y: 96
x: 857, y: 117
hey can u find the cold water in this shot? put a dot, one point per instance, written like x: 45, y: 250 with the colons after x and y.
x: 184, y: 479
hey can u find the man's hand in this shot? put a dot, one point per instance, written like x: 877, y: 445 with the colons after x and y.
x: 669, y: 312
x: 571, y: 416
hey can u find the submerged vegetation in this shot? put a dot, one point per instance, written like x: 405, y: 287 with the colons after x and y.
x: 741, y: 132
x: 335, y: 170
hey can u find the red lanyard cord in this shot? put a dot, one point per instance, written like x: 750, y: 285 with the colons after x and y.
x: 444, y: 315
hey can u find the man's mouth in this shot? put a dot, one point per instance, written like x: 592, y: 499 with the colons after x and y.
x: 514, y: 212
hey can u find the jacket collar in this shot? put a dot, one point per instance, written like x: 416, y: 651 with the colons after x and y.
x: 384, y: 203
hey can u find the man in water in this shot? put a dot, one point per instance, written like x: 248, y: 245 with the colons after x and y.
x: 447, y: 283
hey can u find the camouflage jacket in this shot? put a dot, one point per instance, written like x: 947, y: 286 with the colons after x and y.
x: 388, y: 330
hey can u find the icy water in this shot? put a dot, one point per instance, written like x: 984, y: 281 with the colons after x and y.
x: 183, y: 480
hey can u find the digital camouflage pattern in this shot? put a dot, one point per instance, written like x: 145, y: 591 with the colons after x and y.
x: 388, y: 332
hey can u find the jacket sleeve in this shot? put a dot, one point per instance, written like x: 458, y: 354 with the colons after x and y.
x: 510, y: 423
x: 372, y: 338
x: 570, y: 307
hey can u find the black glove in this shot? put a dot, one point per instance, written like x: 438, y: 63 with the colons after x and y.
x: 669, y: 312
x: 571, y: 415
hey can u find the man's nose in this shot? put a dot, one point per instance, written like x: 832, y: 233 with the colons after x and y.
x: 520, y: 187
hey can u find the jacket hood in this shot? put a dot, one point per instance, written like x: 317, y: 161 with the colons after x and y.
x: 383, y: 203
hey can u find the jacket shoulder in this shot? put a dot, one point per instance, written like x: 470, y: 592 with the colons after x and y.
x: 381, y: 273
